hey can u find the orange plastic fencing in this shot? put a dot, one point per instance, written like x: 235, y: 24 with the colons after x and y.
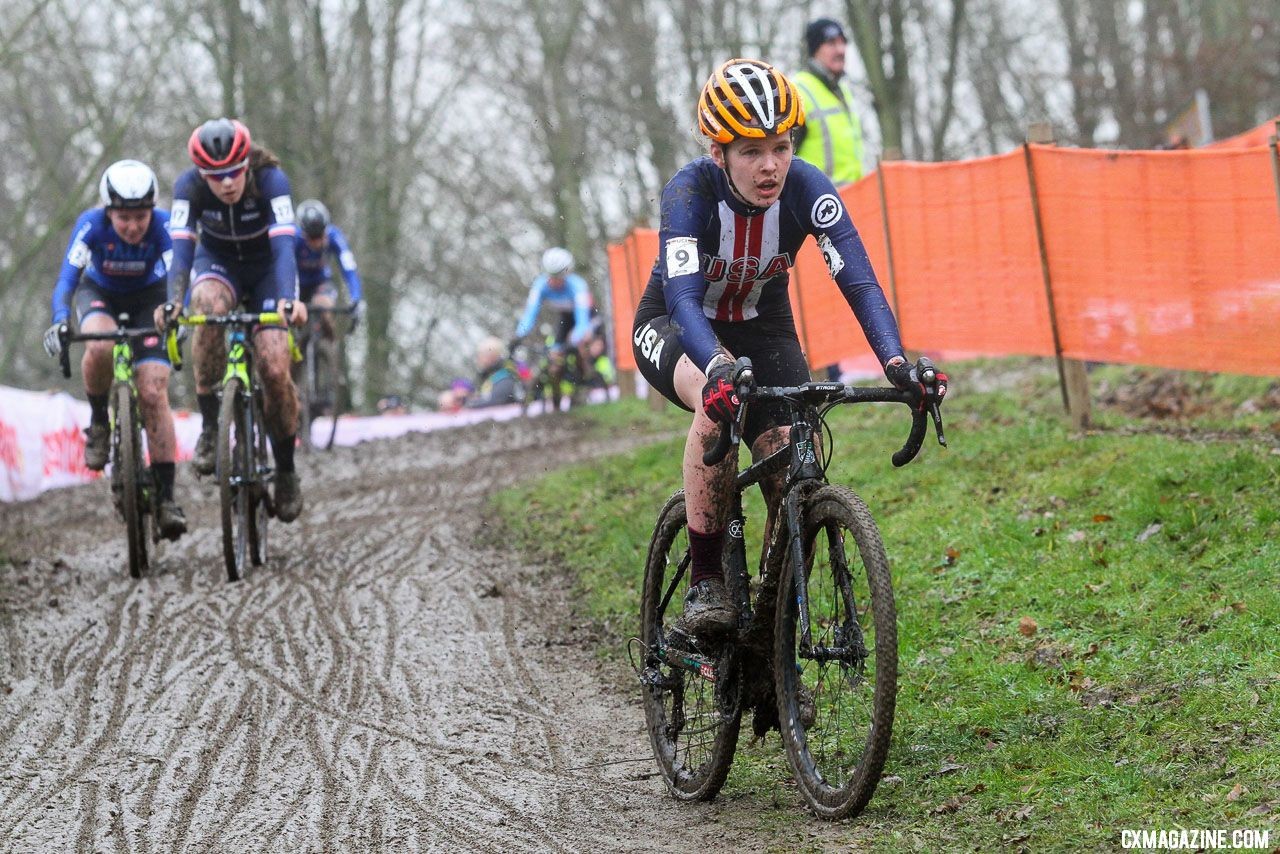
x: 1261, y: 135
x: 1168, y: 258
x: 1164, y: 258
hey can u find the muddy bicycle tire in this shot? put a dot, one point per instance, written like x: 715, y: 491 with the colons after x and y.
x: 304, y: 381
x: 258, y: 500
x: 129, y: 461
x: 234, y: 472
x: 837, y: 761
x: 693, y: 763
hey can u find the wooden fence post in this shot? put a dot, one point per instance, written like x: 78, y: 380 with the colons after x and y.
x: 1072, y: 376
x: 1275, y: 159
x: 889, y: 154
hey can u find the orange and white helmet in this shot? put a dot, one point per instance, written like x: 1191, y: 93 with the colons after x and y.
x: 748, y: 98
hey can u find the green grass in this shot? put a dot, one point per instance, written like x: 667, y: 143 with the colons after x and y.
x: 1145, y: 553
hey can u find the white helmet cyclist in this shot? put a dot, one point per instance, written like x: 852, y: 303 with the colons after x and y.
x: 557, y: 261
x: 128, y: 184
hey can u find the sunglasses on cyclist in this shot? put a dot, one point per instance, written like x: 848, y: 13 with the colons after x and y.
x: 226, y: 172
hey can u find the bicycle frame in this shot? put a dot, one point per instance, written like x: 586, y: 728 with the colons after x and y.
x: 804, y: 473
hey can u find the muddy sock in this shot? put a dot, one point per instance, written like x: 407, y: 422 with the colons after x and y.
x: 704, y: 555
x: 163, y: 474
x: 208, y: 404
x: 98, y: 408
x: 283, y: 449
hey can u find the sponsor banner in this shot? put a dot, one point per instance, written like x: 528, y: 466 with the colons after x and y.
x: 42, y: 442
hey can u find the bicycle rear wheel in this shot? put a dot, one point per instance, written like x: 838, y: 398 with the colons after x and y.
x: 304, y: 379
x: 129, y: 463
x: 849, y: 676
x: 260, y: 464
x: 694, y: 732
x: 235, y: 477
x: 328, y: 387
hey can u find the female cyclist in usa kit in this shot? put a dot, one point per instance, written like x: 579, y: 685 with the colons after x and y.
x: 731, y: 225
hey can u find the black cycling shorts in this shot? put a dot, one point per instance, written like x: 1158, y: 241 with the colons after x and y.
x: 252, y: 283
x: 139, y: 305
x: 770, y: 343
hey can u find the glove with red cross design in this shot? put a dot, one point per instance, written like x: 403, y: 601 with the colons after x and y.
x: 719, y: 399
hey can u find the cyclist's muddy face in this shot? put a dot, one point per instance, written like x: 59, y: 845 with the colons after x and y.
x: 228, y: 189
x: 757, y: 167
x: 131, y: 225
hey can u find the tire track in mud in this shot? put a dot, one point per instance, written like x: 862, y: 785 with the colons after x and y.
x: 385, y: 683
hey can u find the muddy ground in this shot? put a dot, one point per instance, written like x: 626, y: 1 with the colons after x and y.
x: 393, y: 681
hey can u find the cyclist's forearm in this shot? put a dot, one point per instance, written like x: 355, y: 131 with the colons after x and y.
x: 179, y: 283
x: 354, y: 293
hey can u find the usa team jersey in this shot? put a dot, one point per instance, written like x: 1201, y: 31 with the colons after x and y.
x: 720, y: 259
x: 96, y: 251
x: 313, y: 264
x: 572, y: 296
x: 258, y: 228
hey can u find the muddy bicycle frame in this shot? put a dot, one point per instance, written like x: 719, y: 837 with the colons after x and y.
x: 138, y: 499
x: 808, y: 403
x: 246, y: 503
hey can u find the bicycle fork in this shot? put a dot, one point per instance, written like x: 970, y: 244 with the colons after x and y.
x: 804, y: 466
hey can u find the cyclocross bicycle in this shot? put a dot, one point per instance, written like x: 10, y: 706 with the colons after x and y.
x: 135, y: 495
x: 319, y: 376
x: 815, y: 653
x: 244, y: 461
x: 544, y: 388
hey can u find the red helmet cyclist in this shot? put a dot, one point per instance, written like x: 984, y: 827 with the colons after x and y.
x: 219, y: 145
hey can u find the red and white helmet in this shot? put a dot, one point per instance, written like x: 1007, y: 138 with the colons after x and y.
x: 219, y: 144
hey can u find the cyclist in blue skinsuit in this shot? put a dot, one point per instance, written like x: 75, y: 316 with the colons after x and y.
x: 317, y: 242
x: 235, y: 203
x: 731, y: 225
x: 116, y: 262
x: 563, y: 290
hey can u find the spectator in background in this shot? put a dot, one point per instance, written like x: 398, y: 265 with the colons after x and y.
x: 497, y: 380
x: 831, y: 137
x: 392, y: 404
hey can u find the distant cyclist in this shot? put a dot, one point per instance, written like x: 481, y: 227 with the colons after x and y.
x: 567, y: 293
x: 318, y: 242
x: 116, y: 262
x: 232, y: 224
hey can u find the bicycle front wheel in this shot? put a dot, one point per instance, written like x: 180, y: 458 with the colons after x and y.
x: 235, y: 477
x: 836, y: 697
x: 129, y: 475
x: 694, y: 731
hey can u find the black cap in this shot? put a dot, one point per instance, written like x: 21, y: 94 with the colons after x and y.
x: 821, y: 31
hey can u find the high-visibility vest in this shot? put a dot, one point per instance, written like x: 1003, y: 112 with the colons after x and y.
x: 833, y: 138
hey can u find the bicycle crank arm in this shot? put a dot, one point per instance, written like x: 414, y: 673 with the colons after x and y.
x: 692, y: 662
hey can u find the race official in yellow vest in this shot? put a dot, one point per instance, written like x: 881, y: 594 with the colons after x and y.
x: 831, y: 137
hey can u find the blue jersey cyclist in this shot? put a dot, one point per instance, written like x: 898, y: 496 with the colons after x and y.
x: 319, y: 242
x: 116, y: 263
x: 567, y: 293
x: 731, y: 225
x: 233, y: 227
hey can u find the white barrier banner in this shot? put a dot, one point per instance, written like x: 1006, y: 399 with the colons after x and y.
x: 42, y: 435
x: 42, y: 442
